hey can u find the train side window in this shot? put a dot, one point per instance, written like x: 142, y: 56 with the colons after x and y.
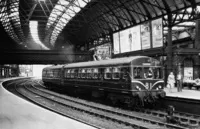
x: 95, y: 73
x: 75, y: 73
x: 107, y: 73
x: 79, y: 73
x: 126, y: 74
x: 72, y: 73
x: 50, y: 73
x: 47, y: 73
x: 59, y: 73
x: 54, y: 73
x: 67, y: 73
x: 83, y: 75
x: 116, y: 73
x: 89, y: 72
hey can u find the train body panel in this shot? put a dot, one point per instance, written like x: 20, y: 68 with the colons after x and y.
x: 123, y: 78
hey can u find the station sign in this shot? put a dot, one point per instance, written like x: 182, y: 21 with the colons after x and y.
x: 103, y: 51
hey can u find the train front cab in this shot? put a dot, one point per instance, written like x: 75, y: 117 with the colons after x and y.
x: 52, y: 77
x: 147, y: 81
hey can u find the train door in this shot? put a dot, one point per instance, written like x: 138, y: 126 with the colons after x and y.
x: 126, y: 76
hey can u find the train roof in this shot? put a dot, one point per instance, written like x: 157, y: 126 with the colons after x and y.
x: 124, y: 60
x: 54, y: 67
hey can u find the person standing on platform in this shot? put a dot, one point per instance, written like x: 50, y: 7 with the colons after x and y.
x: 170, y: 81
x: 179, y: 82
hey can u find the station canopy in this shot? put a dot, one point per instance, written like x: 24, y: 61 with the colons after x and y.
x: 83, y: 21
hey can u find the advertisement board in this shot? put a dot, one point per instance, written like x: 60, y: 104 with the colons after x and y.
x: 188, y: 74
x: 104, y: 51
x: 139, y: 37
x: 116, y: 45
x: 124, y: 41
x: 145, y: 35
x: 157, y: 33
x: 135, y: 38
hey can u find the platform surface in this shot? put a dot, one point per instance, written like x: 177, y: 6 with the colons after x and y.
x: 186, y: 93
x: 17, y: 113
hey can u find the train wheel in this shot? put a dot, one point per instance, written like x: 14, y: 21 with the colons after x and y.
x: 113, y: 99
x: 114, y: 102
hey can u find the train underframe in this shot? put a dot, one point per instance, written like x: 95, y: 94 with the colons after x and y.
x: 130, y: 98
x: 135, y: 99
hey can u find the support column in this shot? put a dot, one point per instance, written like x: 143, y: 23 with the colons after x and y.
x: 197, y: 46
x: 169, y: 45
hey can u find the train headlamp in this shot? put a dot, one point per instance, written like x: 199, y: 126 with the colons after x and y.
x: 160, y: 87
x: 137, y: 87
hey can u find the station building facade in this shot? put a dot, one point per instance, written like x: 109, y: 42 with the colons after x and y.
x: 9, y: 71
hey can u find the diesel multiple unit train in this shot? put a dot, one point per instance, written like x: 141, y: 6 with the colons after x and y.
x: 134, y: 80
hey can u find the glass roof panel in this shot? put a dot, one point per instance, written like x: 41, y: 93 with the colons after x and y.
x: 64, y: 11
x: 10, y: 14
x: 66, y: 16
x: 33, y: 25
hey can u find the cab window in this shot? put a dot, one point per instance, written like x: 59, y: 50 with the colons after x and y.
x: 137, y: 72
x: 148, y: 72
x: 44, y: 73
x: 157, y: 72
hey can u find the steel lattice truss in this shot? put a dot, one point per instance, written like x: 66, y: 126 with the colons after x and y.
x: 84, y: 21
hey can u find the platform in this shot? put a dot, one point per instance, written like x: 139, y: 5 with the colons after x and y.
x: 186, y: 93
x: 17, y: 113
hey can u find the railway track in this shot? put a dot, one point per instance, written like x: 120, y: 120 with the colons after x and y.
x: 133, y: 116
x: 185, y: 119
x: 118, y: 118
